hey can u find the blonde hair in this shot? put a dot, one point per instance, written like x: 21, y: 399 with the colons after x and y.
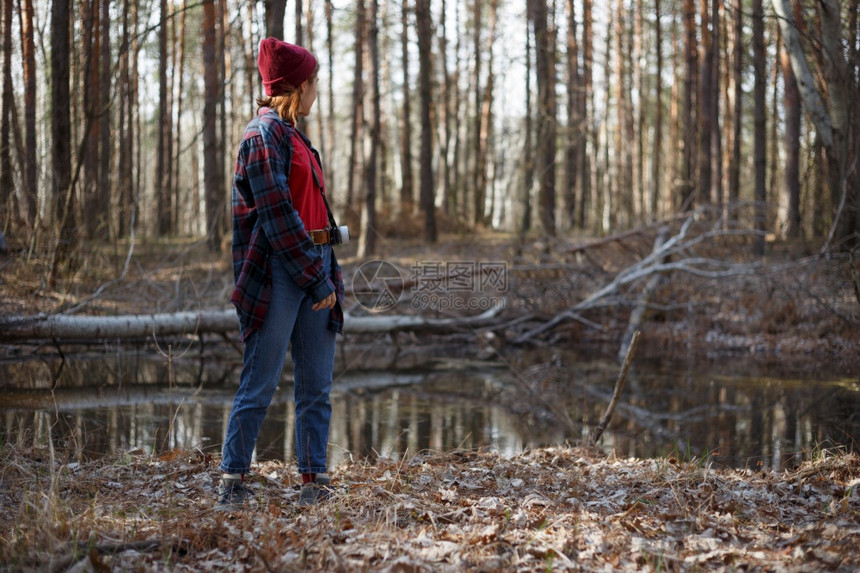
x: 287, y: 103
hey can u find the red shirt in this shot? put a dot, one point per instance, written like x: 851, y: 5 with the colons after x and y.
x: 304, y: 190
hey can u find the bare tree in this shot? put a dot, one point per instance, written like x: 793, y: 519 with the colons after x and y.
x: 28, y: 52
x: 789, y: 204
x: 528, y: 147
x: 657, y: 143
x: 427, y: 199
x: 211, y: 165
x: 546, y: 131
x: 572, y: 150
x: 406, y: 193
x: 706, y: 95
x: 589, y: 170
x: 759, y: 133
x: 91, y: 91
x: 103, y: 189
x: 164, y: 156
x: 686, y: 186
x: 838, y: 120
x: 357, y: 98
x: 6, y: 181
x: 61, y: 134
x: 275, y: 12
x: 367, y: 238
x: 332, y: 144
x: 737, y: 100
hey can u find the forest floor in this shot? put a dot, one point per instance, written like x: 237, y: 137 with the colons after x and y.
x: 562, y: 508
x: 551, y: 509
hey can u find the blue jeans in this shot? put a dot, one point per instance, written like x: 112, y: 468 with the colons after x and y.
x: 289, y: 319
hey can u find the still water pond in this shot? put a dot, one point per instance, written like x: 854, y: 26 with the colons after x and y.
x: 127, y: 401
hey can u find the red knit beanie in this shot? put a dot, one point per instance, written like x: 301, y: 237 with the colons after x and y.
x: 283, y: 65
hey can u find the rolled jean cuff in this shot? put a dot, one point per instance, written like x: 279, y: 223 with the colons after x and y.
x: 234, y: 470
x: 313, y: 470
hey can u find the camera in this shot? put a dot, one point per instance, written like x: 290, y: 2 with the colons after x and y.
x: 339, y: 235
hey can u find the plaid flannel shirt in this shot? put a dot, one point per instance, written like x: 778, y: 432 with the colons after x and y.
x: 265, y: 224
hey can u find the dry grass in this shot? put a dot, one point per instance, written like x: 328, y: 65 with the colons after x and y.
x: 548, y: 509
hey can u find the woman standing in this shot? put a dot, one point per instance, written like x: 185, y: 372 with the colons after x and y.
x: 288, y: 283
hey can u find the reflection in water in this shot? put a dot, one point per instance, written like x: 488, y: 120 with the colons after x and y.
x: 119, y: 404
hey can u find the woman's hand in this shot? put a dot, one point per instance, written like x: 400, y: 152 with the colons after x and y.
x: 327, y: 302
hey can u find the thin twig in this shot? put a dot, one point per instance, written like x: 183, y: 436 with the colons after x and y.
x: 619, y: 386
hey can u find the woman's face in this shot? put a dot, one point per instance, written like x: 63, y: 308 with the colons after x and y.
x: 308, y: 97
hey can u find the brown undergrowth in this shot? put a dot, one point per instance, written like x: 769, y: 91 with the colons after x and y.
x: 795, y: 304
x: 558, y: 508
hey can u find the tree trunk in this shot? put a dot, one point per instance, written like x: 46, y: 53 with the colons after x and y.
x: 103, y: 190
x: 92, y: 116
x: 717, y: 138
x: 275, y: 12
x: 705, y: 96
x: 589, y: 135
x: 357, y: 99
x: 528, y: 148
x: 125, y: 128
x: 546, y: 131
x: 331, y: 148
x: 673, y: 175
x: 686, y: 187
x: 367, y: 238
x: 737, y: 108
x: 81, y: 328
x: 164, y: 197
x: 211, y: 166
x: 636, y: 113
x: 759, y: 134
x: 181, y: 206
x: 7, y: 183
x: 406, y: 193
x: 61, y: 133
x: 446, y: 120
x: 789, y: 218
x: 28, y: 52
x: 427, y: 199
x: 486, y: 111
x: 574, y: 120
x: 300, y: 39
x: 657, y: 144
x: 620, y: 167
x: 478, y: 195
x: 254, y: 86
x: 844, y: 112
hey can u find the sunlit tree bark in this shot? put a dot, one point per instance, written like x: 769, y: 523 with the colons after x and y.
x: 789, y: 211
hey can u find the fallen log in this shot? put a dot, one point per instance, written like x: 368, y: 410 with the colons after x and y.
x: 59, y: 327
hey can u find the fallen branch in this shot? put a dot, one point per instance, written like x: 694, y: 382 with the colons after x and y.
x: 619, y: 386
x: 652, y: 264
x: 59, y: 327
